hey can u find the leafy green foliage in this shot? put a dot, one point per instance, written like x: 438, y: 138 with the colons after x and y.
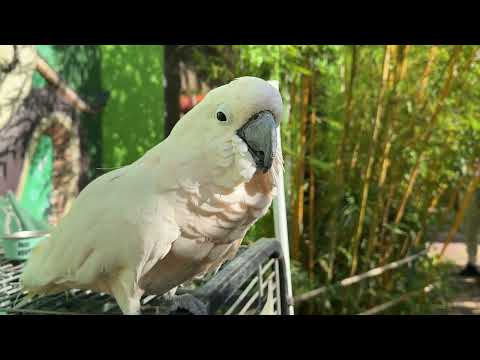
x: 428, y: 139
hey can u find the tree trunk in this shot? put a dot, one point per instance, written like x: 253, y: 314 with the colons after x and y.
x: 172, y: 89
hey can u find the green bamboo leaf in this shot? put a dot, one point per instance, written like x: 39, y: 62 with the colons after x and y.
x: 321, y: 165
x: 395, y: 229
x: 301, y: 69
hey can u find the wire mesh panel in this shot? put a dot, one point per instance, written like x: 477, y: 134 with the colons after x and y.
x: 9, y: 286
x: 252, y: 283
x: 261, y: 294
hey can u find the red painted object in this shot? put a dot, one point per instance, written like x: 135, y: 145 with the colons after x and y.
x: 188, y: 102
x: 199, y: 98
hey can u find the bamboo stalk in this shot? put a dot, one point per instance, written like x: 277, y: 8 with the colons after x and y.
x: 436, y: 199
x: 466, y: 66
x: 426, y: 75
x: 342, y: 148
x: 404, y: 62
x: 438, y: 107
x: 339, y: 167
x: 399, y: 74
x: 408, y: 192
x: 426, y: 136
x: 431, y: 208
x: 419, y: 99
x: 371, y: 159
x: 386, y: 211
x: 293, y: 107
x: 360, y: 277
x: 394, y: 54
x: 349, y: 108
x: 354, y: 159
x: 380, y: 308
x: 452, y: 200
x: 354, y: 147
x: 311, y: 187
x: 300, y: 173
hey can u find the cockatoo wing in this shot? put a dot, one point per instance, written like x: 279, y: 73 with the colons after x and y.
x: 106, y: 242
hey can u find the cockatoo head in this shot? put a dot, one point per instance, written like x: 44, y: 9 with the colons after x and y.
x: 237, y: 123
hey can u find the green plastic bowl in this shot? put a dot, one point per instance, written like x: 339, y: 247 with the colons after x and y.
x: 19, y: 245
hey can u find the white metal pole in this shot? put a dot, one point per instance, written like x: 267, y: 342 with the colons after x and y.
x: 280, y: 221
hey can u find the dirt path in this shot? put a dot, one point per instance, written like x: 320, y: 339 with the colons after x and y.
x: 467, y: 301
x: 467, y: 291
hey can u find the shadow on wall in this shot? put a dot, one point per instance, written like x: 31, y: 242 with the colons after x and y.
x: 132, y: 122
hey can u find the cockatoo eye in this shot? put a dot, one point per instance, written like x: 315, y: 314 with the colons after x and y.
x: 221, y: 116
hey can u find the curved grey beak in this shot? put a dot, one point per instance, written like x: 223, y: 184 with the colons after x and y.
x: 260, y: 135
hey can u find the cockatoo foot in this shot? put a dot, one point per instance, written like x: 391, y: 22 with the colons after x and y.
x: 170, y: 294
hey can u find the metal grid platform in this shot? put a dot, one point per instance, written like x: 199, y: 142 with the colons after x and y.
x: 252, y: 283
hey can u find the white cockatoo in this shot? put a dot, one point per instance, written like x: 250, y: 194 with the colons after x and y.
x: 179, y: 211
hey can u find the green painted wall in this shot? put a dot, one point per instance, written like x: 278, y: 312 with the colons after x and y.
x: 49, y: 53
x: 132, y: 122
